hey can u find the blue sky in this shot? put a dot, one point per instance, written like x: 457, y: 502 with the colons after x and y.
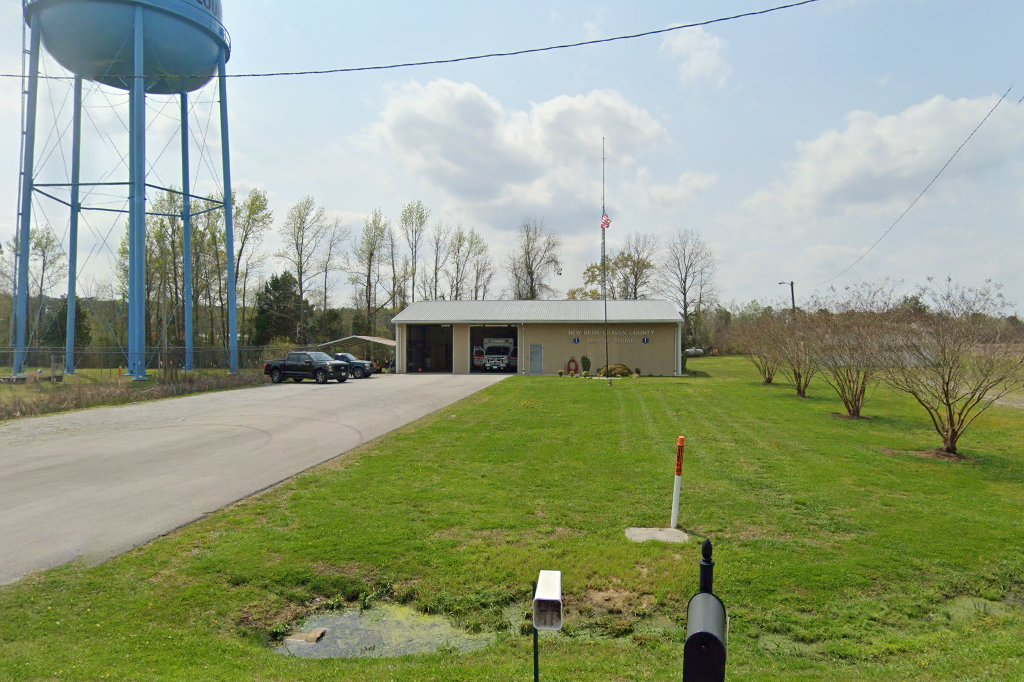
x: 789, y: 141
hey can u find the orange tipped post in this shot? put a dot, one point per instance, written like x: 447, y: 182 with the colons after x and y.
x: 677, y: 487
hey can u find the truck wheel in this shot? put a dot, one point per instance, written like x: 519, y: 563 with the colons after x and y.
x: 298, y: 380
x: 321, y: 376
x: 357, y: 373
x: 275, y: 376
x: 343, y: 378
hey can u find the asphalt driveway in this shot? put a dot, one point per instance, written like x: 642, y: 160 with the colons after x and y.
x: 93, y: 484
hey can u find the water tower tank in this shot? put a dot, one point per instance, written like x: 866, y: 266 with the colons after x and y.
x: 93, y: 39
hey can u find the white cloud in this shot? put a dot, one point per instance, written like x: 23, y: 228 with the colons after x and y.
x: 500, y: 165
x: 883, y: 161
x: 701, y: 56
x: 848, y: 184
x: 687, y: 187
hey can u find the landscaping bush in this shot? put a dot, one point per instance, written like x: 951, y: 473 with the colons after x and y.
x: 618, y: 370
x: 585, y: 363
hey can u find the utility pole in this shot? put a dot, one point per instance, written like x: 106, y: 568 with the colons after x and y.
x: 792, y: 295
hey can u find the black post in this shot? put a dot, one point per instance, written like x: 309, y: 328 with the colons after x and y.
x: 707, y: 569
x: 707, y: 627
x: 792, y: 296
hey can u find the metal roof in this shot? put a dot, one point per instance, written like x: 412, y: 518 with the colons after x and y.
x: 514, y: 312
x: 348, y: 340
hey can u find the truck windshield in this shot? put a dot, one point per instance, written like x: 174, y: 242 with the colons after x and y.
x: 496, y: 350
x: 320, y: 357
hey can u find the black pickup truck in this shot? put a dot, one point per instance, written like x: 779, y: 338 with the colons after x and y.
x: 359, y: 369
x: 313, y: 365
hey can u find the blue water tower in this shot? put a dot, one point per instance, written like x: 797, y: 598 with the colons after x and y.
x: 147, y: 47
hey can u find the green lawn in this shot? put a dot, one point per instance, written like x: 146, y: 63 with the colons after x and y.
x: 837, y: 556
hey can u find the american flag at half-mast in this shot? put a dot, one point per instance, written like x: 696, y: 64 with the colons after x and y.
x: 606, y: 222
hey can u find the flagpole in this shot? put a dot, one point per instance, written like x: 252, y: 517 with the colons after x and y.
x: 604, y: 264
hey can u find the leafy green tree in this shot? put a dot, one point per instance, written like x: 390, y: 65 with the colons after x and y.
x: 280, y: 310
x: 55, y: 332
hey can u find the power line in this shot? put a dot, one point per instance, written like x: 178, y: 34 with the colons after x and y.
x: 923, y: 191
x: 489, y: 55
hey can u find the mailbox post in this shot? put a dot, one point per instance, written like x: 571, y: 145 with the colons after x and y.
x: 707, y: 628
x: 547, y: 611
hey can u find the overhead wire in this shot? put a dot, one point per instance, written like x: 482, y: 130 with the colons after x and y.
x: 921, y: 193
x: 494, y: 55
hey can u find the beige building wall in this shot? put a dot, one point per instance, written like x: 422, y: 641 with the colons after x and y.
x: 401, y: 339
x: 460, y: 348
x: 659, y: 356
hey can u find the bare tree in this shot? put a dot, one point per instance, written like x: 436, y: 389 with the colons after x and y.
x: 253, y: 219
x: 754, y: 336
x: 333, y: 251
x: 531, y: 267
x: 847, y: 333
x: 367, y: 271
x: 460, y: 255
x: 414, y: 225
x: 47, y: 268
x: 793, y: 337
x: 636, y: 267
x: 629, y: 275
x: 303, y: 234
x: 953, y: 357
x: 481, y: 266
x: 430, y: 281
x: 688, y: 277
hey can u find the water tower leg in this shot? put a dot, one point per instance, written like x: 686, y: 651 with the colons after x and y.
x: 137, y: 212
x: 186, y: 226
x: 76, y: 176
x: 229, y: 219
x: 27, y: 187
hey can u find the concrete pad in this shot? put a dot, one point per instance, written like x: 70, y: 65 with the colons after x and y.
x: 672, y: 535
x: 95, y: 483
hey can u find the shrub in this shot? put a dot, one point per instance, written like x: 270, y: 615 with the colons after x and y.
x: 615, y: 371
x: 561, y: 373
x: 585, y: 363
x: 586, y: 374
x: 637, y: 371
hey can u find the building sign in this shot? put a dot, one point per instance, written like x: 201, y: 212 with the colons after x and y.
x: 615, y: 335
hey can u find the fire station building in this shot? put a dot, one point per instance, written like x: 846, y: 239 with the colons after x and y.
x: 538, y: 337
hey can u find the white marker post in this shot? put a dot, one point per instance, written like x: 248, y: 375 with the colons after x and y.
x: 680, y: 445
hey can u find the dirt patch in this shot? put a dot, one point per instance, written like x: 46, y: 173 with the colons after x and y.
x: 616, y: 602
x: 261, y: 617
x: 842, y: 415
x: 930, y: 454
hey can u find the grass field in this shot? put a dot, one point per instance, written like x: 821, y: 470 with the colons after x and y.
x: 840, y: 555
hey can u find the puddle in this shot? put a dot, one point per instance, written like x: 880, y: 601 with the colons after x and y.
x: 384, y: 631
